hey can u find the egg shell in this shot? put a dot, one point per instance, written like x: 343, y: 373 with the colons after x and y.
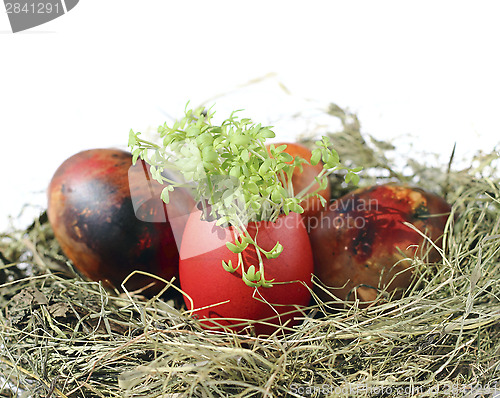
x: 108, y: 217
x: 214, y: 293
x: 362, y: 246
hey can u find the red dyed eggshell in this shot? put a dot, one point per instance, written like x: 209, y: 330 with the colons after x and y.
x: 217, y: 293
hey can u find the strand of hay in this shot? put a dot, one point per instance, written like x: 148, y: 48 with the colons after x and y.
x: 62, y: 336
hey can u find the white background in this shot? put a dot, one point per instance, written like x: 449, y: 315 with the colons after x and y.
x: 427, y: 68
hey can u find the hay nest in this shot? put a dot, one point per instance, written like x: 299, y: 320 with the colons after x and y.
x: 63, y: 336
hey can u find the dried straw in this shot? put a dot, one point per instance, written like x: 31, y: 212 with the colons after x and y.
x: 62, y: 336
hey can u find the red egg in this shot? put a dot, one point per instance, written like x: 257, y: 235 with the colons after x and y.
x: 109, y: 219
x: 361, y: 245
x: 214, y: 293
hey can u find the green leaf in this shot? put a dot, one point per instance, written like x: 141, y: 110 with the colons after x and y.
x: 235, y: 171
x: 276, y: 196
x: 267, y: 283
x: 266, y: 133
x: 209, y: 155
x: 240, y: 140
x: 256, y: 206
x: 204, y: 139
x: 254, y: 130
x: 281, y: 148
x: 219, y: 142
x: 154, y: 172
x: 355, y: 179
x: 252, y: 278
x: 245, y: 170
x: 235, y: 248
x: 286, y: 209
x: 246, y: 239
x: 264, y: 167
x: 132, y: 138
x: 334, y: 159
x: 245, y: 155
x: 296, y: 208
x: 165, y: 194
x: 252, y: 187
x: 285, y: 157
x: 275, y: 251
x: 284, y: 192
x: 228, y: 266
x: 192, y: 131
x: 281, y: 166
x: 222, y: 221
x: 136, y: 154
x: 248, y: 282
x: 251, y: 272
x: 322, y: 182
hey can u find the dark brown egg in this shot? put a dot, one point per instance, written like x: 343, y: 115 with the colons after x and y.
x: 361, y: 244
x: 109, y: 219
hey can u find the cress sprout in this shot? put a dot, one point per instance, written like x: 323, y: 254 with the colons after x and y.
x: 235, y: 178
